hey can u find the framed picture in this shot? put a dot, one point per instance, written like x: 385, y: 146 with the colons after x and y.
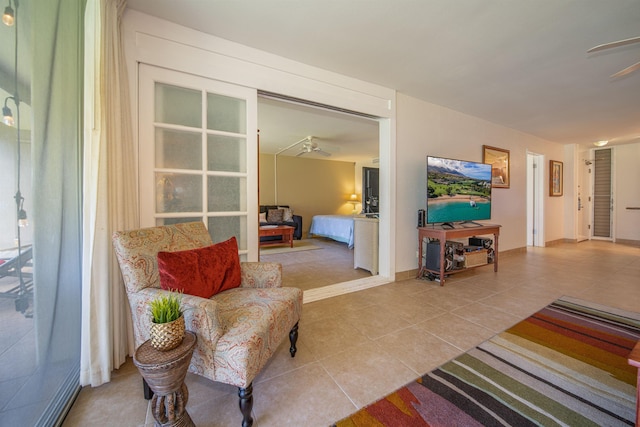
x: 555, y: 178
x: 500, y: 166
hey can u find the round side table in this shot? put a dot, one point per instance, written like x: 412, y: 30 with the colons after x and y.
x: 164, y: 372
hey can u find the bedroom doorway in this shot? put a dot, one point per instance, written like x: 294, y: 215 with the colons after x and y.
x: 315, y: 183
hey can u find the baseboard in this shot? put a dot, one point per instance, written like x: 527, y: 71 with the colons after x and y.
x: 628, y: 242
x: 556, y: 242
x: 515, y: 251
x: 406, y: 275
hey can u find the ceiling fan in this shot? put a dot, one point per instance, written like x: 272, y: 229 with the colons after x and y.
x: 311, y: 147
x: 619, y: 43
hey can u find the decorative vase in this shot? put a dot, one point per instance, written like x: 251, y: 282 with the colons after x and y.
x: 167, y: 336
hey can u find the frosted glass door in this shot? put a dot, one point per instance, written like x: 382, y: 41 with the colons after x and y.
x: 198, y: 159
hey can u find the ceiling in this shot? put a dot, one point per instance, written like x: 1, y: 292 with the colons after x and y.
x: 520, y: 64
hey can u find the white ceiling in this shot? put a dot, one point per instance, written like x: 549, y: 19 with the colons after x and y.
x: 522, y: 64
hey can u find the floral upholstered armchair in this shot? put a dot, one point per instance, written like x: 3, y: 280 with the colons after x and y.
x: 237, y: 329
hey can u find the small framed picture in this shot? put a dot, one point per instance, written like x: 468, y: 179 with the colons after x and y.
x: 499, y: 161
x: 555, y: 178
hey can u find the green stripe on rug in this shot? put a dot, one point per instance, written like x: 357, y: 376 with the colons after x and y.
x: 517, y: 396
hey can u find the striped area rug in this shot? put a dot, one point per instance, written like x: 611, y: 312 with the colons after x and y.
x: 565, y: 365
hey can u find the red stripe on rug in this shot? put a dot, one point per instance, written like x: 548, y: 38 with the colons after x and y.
x: 540, y: 333
x: 397, y: 410
x: 607, y: 342
x: 582, y: 327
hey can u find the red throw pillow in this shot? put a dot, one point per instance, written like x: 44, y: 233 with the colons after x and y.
x: 202, y: 272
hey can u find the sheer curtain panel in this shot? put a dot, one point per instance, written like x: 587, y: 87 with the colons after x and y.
x: 110, y: 201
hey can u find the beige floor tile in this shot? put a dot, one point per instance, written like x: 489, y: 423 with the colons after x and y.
x: 367, y: 372
x: 487, y: 316
x: 308, y: 397
x: 456, y: 331
x: 282, y: 362
x: 117, y: 403
x: 327, y: 337
x: 419, y: 350
x: 376, y: 321
x: 415, y: 308
x: 216, y: 409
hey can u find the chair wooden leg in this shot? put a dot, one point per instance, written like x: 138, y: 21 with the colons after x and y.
x: 246, y: 404
x: 293, y: 337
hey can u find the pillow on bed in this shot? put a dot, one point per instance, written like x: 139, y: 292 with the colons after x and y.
x: 287, y: 214
x: 263, y: 217
x: 275, y: 215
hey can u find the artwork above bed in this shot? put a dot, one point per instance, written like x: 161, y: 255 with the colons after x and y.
x: 336, y: 227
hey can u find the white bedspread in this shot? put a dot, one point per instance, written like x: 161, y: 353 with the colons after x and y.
x: 336, y: 227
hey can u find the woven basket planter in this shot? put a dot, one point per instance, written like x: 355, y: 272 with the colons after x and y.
x: 167, y: 336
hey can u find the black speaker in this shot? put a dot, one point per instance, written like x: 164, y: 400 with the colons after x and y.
x: 431, y: 255
x: 421, y: 217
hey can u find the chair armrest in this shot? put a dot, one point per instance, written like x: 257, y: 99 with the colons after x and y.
x: 200, y: 317
x: 261, y: 275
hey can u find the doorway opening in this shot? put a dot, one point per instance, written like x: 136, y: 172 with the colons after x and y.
x: 602, y: 194
x: 307, y: 180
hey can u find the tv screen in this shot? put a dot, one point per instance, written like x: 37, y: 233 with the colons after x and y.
x: 457, y: 191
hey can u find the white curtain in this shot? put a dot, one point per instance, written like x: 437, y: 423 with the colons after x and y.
x: 109, y: 191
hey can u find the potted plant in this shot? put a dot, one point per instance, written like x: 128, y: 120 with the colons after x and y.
x: 167, y: 322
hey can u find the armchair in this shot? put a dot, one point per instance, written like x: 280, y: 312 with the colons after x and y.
x: 237, y: 330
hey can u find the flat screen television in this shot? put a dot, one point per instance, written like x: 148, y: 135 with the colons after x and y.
x: 458, y: 191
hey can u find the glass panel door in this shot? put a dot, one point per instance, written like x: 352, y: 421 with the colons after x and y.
x: 197, y: 145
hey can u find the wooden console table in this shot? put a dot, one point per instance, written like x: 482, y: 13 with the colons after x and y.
x: 284, y: 231
x: 164, y: 372
x: 443, y: 234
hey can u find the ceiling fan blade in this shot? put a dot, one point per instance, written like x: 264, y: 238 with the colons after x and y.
x: 301, y: 153
x: 627, y: 70
x: 614, y: 44
x: 323, y: 153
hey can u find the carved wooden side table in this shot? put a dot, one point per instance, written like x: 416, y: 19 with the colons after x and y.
x: 164, y: 372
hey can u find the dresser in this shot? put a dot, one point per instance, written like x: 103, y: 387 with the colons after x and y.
x: 365, y: 244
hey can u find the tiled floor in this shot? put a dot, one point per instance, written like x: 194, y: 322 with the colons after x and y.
x: 356, y: 348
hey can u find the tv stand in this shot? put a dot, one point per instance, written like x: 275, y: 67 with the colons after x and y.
x: 443, y: 234
x: 468, y: 224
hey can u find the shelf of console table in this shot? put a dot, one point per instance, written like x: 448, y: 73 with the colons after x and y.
x: 445, y: 233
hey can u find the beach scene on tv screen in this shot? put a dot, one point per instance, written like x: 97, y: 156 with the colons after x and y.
x: 457, y: 190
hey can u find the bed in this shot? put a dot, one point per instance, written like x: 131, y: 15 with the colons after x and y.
x: 336, y: 227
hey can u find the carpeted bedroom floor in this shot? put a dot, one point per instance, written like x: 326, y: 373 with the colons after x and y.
x: 310, y: 269
x: 355, y: 349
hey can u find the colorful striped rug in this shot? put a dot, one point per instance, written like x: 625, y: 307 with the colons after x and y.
x: 565, y: 365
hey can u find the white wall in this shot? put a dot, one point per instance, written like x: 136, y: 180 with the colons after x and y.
x: 427, y: 129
